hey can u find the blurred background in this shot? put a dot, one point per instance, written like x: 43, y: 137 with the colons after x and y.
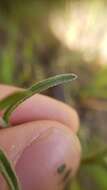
x: 41, y: 38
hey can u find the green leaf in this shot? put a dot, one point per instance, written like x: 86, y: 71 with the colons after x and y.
x: 52, y: 81
x: 37, y: 88
x: 12, y: 98
x: 8, y: 172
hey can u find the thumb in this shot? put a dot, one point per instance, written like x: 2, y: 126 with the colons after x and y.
x: 45, y: 154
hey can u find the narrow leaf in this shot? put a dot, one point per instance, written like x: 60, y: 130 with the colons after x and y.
x: 12, y: 98
x: 8, y: 172
x: 52, y: 81
x: 37, y: 88
x: 2, y: 122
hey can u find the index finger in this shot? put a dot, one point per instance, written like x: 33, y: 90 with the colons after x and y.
x: 40, y: 107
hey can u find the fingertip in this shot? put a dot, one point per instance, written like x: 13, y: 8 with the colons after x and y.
x: 41, y: 107
x: 44, y: 151
x: 53, y: 158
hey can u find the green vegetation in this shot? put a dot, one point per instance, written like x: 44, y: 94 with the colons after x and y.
x: 30, y: 51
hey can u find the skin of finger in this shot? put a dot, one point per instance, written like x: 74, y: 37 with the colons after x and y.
x: 40, y: 107
x: 15, y: 140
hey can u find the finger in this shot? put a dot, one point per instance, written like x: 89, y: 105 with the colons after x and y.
x: 45, y: 154
x: 5, y: 90
x: 40, y: 107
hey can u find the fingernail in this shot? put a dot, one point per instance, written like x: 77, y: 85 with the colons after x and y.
x: 40, y: 162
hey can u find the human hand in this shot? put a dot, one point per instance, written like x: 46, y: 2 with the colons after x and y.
x: 42, y: 145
